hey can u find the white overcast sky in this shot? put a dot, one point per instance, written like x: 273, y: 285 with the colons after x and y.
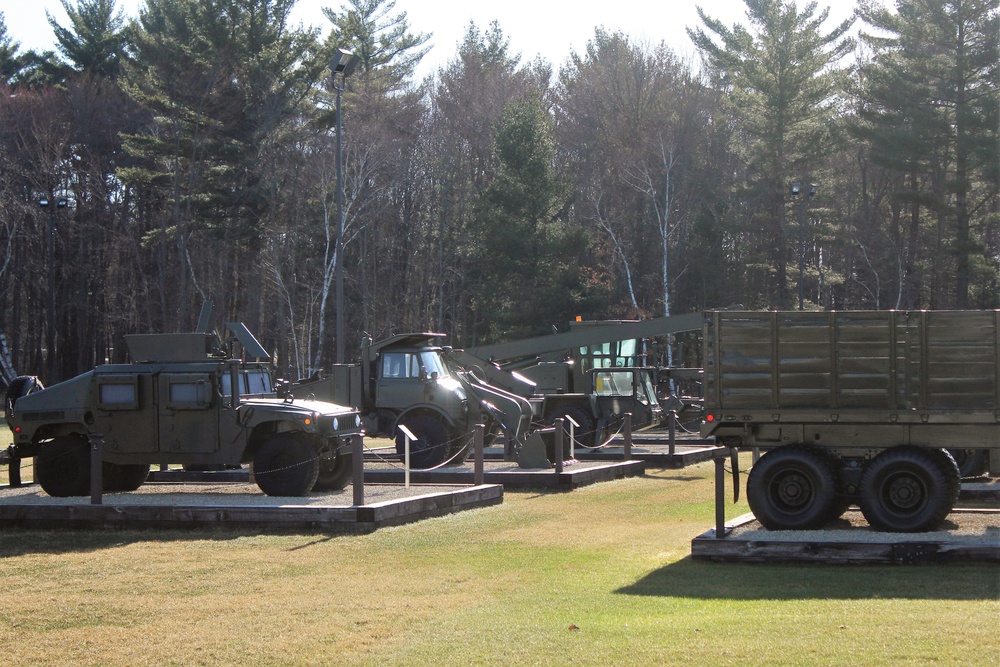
x: 550, y: 28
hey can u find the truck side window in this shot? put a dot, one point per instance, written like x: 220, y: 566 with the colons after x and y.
x: 400, y: 365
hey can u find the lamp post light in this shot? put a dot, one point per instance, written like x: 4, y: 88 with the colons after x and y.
x: 50, y: 329
x: 802, y: 202
x: 344, y: 63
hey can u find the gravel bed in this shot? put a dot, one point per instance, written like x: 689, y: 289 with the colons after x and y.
x: 979, y: 526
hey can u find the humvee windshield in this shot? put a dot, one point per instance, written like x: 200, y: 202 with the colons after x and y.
x: 254, y: 382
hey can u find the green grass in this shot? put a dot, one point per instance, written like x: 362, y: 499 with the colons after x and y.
x: 599, y: 576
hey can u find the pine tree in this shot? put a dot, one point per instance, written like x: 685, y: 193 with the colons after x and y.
x: 781, y: 82
x: 933, y: 88
x: 95, y: 39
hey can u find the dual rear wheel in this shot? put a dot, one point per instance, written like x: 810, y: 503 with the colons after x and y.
x: 903, y: 489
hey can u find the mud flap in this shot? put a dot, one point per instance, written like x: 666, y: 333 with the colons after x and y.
x: 734, y: 458
x: 532, y: 454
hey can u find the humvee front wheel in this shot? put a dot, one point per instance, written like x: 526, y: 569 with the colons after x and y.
x: 62, y: 467
x: 335, y: 473
x: 123, y: 477
x: 285, y: 465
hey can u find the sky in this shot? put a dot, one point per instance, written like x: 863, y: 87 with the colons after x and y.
x: 549, y: 28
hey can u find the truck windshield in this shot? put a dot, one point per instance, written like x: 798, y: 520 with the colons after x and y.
x: 413, y: 365
x: 610, y: 355
x: 433, y: 363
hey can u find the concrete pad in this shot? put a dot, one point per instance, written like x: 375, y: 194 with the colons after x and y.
x: 240, y: 506
x: 968, y: 535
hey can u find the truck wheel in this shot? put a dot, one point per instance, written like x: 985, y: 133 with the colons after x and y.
x: 335, y: 473
x: 431, y: 448
x: 583, y: 434
x: 63, y: 467
x: 906, y: 490
x: 20, y: 386
x: 124, y: 477
x: 285, y: 465
x: 792, y: 488
x: 971, y: 462
x: 950, y: 466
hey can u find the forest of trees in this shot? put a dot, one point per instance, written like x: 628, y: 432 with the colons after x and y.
x: 148, y: 164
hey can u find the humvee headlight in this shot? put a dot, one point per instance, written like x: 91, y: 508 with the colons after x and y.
x: 357, y: 421
x: 336, y: 424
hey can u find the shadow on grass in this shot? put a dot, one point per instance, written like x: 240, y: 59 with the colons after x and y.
x: 16, y: 542
x: 689, y: 578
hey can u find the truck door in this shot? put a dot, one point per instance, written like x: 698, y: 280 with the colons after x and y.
x: 187, y: 413
x: 399, y: 379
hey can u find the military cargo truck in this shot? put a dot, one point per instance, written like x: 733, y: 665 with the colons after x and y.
x: 184, y: 399
x: 405, y: 381
x: 853, y: 408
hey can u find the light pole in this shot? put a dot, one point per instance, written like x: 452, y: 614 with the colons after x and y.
x: 802, y: 202
x: 50, y: 329
x: 343, y: 63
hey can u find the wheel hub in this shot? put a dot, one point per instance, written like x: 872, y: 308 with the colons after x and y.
x: 905, y: 492
x: 792, y: 490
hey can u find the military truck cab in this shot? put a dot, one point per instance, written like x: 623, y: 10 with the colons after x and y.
x: 184, y: 400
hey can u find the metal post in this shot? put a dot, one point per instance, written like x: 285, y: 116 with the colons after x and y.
x: 406, y: 460
x: 14, y: 472
x: 339, y: 260
x: 720, y: 497
x: 802, y: 249
x: 96, y: 468
x: 358, y: 462
x: 560, y: 434
x: 478, y: 476
x: 672, y: 430
x: 627, y: 436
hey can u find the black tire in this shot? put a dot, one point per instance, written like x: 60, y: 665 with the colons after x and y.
x: 335, y: 473
x: 62, y: 467
x: 585, y: 434
x: 950, y: 467
x: 431, y: 448
x: 286, y: 465
x: 971, y: 462
x: 792, y: 488
x: 21, y: 386
x: 906, y: 490
x: 124, y: 477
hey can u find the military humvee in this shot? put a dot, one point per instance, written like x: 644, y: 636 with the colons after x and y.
x: 185, y: 400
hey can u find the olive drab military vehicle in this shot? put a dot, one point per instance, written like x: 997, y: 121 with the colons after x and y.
x: 404, y: 380
x: 594, y: 374
x: 853, y: 407
x: 184, y: 399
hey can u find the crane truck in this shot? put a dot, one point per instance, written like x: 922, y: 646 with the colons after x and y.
x: 853, y: 407
x: 404, y: 381
x: 592, y: 374
x: 439, y: 393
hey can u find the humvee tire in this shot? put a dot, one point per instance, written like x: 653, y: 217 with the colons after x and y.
x: 334, y: 474
x: 62, y: 467
x: 286, y: 465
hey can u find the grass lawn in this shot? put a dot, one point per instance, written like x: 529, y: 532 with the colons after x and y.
x: 599, y: 576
